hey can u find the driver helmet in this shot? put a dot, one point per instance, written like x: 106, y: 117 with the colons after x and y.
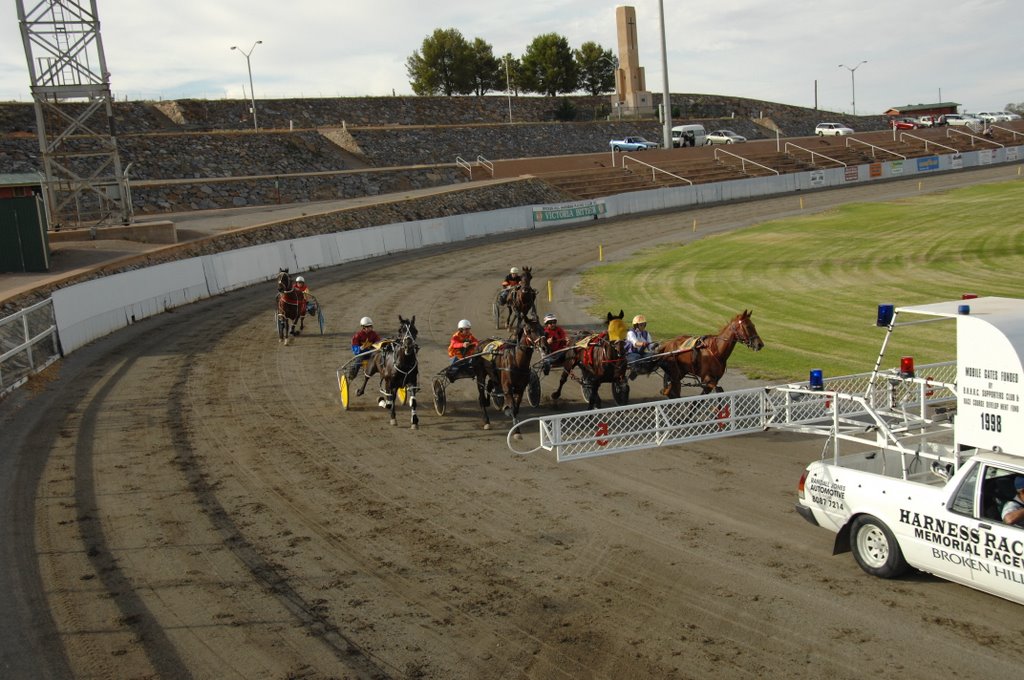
x: 550, y: 318
x: 639, y: 318
x: 465, y: 325
x: 299, y: 279
x: 515, y: 270
x: 366, y: 321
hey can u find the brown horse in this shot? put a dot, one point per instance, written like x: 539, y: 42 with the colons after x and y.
x: 521, y: 302
x: 512, y: 366
x: 601, y: 359
x: 291, y: 308
x: 703, y: 357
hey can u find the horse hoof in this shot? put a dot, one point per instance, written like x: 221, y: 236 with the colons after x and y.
x: 394, y: 422
x: 359, y: 393
x: 415, y: 426
x: 487, y: 426
x: 517, y: 436
x: 382, y: 403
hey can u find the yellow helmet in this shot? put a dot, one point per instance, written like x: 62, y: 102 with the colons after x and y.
x: 639, y: 318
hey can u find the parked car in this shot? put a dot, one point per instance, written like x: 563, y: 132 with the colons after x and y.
x: 962, y: 120
x: 987, y: 117
x: 724, y: 137
x: 632, y: 144
x: 692, y: 134
x: 904, y: 123
x: 931, y: 121
x: 832, y: 129
x: 1010, y: 115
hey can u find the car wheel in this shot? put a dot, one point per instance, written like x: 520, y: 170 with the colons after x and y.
x: 821, y: 134
x: 729, y: 142
x: 875, y: 548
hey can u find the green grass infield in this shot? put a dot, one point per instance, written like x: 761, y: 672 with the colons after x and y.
x: 814, y: 282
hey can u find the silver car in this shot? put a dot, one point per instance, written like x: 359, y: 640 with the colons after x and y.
x: 724, y: 137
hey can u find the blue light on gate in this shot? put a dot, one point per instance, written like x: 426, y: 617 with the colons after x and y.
x: 963, y: 309
x: 817, y: 379
x: 885, y: 315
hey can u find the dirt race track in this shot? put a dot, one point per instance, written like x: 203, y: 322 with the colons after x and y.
x: 187, y: 499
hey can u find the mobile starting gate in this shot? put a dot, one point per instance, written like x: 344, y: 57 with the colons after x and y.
x: 899, y: 412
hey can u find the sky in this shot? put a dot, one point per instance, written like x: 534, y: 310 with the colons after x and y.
x: 965, y: 51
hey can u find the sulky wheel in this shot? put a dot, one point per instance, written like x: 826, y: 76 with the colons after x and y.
x: 620, y: 392
x: 533, y: 390
x: 440, y: 401
x: 343, y: 388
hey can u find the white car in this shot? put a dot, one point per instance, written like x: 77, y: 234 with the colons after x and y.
x: 724, y: 137
x: 986, y: 116
x: 962, y: 120
x: 1010, y: 115
x: 832, y: 129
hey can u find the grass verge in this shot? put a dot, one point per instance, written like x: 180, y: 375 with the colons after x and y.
x: 814, y: 282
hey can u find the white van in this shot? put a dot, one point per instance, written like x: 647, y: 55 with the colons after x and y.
x: 689, y: 135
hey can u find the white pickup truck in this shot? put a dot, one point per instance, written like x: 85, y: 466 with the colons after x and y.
x: 937, y: 452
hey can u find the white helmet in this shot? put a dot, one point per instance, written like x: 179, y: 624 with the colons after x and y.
x: 299, y: 279
x: 465, y: 324
x: 366, y: 321
x: 550, y: 317
x: 515, y: 270
x: 639, y: 318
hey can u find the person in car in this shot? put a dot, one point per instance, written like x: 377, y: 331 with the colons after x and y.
x: 1013, y: 509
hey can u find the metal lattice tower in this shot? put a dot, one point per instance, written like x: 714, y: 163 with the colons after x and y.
x: 85, y: 185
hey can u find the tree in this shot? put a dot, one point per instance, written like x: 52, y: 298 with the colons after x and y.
x: 596, y: 68
x: 488, y: 72
x: 1015, y: 108
x: 444, y: 65
x: 548, y: 66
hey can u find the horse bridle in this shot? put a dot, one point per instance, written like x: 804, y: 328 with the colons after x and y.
x: 741, y: 333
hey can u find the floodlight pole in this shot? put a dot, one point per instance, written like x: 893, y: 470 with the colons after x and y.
x: 853, y: 84
x: 666, y: 98
x: 252, y: 93
x: 508, y: 89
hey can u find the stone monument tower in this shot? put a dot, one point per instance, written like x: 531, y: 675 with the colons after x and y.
x: 631, y: 97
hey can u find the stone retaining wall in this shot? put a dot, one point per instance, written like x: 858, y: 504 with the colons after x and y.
x: 456, y: 202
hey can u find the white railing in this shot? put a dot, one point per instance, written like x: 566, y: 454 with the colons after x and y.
x: 974, y: 138
x: 813, y: 153
x: 744, y: 161
x: 486, y: 163
x: 28, y: 344
x: 465, y: 165
x: 906, y: 135
x: 874, y: 148
x: 654, y: 170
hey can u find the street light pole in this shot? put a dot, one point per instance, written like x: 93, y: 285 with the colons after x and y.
x: 853, y: 84
x: 508, y: 89
x: 252, y: 93
x: 666, y: 98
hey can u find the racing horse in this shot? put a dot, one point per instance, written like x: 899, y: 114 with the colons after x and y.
x: 601, y: 358
x: 291, y: 307
x: 521, y: 302
x: 512, y: 365
x: 398, y: 366
x: 704, y: 357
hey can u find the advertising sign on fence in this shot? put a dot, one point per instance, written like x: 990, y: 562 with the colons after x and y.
x: 569, y: 211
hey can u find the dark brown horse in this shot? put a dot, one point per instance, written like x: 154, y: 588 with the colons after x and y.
x: 512, y: 365
x: 703, y: 357
x: 291, y: 308
x: 521, y: 302
x: 398, y: 366
x: 601, y: 359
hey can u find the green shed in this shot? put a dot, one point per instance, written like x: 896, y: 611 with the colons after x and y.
x: 24, y: 246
